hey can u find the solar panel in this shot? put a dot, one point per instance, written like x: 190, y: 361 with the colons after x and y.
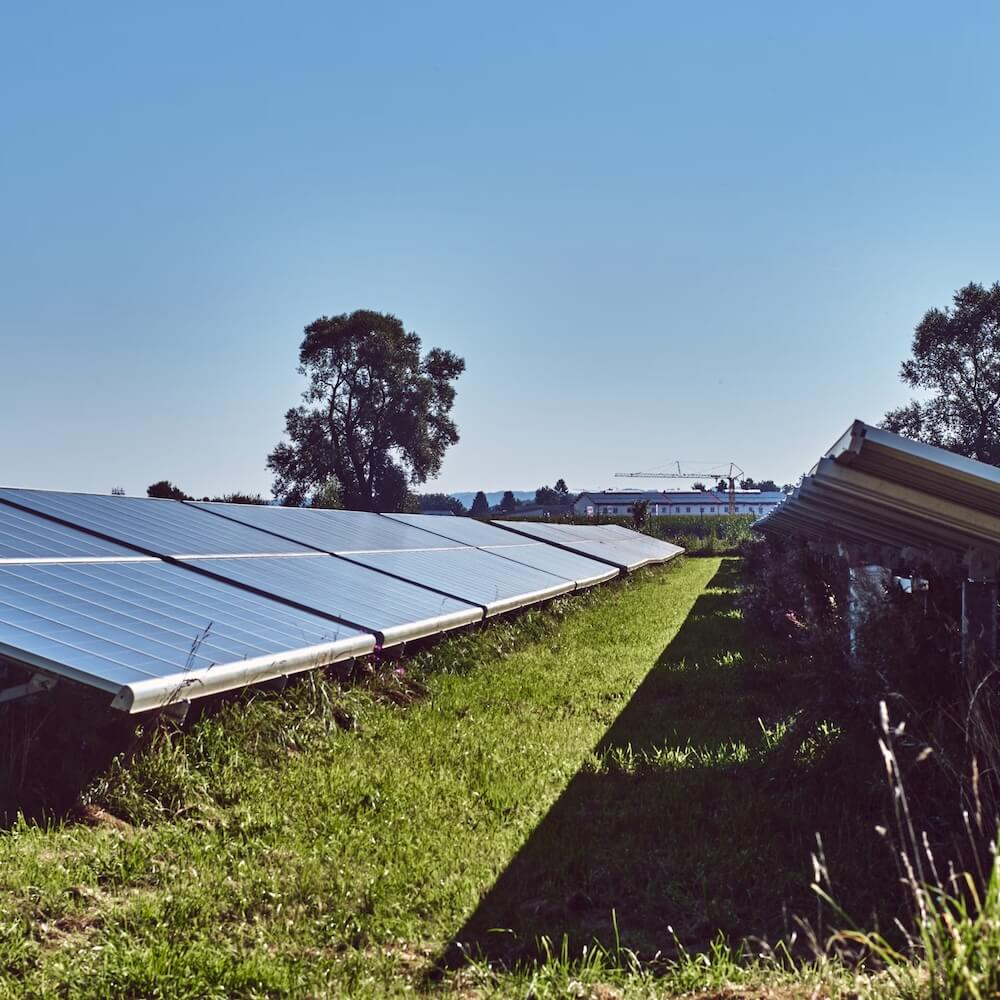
x: 152, y: 633
x: 24, y: 535
x: 465, y: 530
x: 518, y: 548
x: 497, y: 584
x: 405, y: 550
x: 629, y: 553
x: 336, y: 531
x: 397, y: 610
x: 656, y: 547
x: 160, y: 527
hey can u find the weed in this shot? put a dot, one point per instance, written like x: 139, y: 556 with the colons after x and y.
x: 949, y: 944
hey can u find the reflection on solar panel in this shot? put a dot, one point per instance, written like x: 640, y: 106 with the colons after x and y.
x: 628, y: 549
x: 406, y: 551
x: 160, y: 527
x: 397, y: 610
x: 582, y: 571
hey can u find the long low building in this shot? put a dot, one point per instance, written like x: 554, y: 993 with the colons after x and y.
x: 708, y: 503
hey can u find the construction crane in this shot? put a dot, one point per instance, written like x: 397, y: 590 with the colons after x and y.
x: 730, y: 476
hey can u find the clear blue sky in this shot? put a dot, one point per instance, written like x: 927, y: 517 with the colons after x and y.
x: 654, y: 231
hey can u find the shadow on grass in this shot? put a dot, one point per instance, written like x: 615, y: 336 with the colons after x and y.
x: 51, y: 748
x: 681, y: 822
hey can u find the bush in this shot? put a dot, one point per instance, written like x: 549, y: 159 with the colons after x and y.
x: 901, y: 650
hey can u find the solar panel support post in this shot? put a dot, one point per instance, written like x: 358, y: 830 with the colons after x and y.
x: 34, y: 685
x: 176, y: 712
x: 979, y: 614
x: 865, y: 582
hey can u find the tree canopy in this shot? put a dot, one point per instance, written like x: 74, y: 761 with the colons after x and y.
x: 327, y: 497
x: 480, y: 505
x: 764, y: 485
x: 255, y: 499
x: 440, y: 501
x: 553, y: 496
x: 508, y: 502
x: 956, y: 360
x: 375, y: 416
x: 165, y: 490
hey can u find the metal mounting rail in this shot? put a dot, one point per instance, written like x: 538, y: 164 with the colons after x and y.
x: 34, y: 685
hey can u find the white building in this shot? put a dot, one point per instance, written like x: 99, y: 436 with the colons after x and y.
x: 619, y: 503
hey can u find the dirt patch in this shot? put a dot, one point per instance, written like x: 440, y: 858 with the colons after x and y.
x: 95, y: 816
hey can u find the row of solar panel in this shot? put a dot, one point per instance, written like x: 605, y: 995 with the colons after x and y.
x: 876, y: 487
x: 158, y: 601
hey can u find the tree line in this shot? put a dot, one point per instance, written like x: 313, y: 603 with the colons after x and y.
x: 375, y: 418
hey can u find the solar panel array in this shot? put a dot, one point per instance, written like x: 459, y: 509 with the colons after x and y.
x: 876, y: 487
x: 610, y: 543
x: 407, y: 552
x: 530, y: 552
x: 157, y: 601
x: 145, y: 630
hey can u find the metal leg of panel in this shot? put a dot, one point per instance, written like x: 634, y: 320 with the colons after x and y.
x: 176, y: 712
x: 979, y: 626
x: 867, y: 584
x: 979, y: 613
x: 34, y: 685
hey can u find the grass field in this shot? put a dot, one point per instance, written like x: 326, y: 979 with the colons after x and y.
x: 612, y: 769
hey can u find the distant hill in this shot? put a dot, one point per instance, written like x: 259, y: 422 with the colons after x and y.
x: 493, y: 498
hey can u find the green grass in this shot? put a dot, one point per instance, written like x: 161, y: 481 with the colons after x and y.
x: 615, y: 769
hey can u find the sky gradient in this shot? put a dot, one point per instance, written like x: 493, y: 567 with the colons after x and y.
x: 654, y: 231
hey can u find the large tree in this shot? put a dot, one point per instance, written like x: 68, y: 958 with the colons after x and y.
x: 956, y: 359
x: 376, y: 414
